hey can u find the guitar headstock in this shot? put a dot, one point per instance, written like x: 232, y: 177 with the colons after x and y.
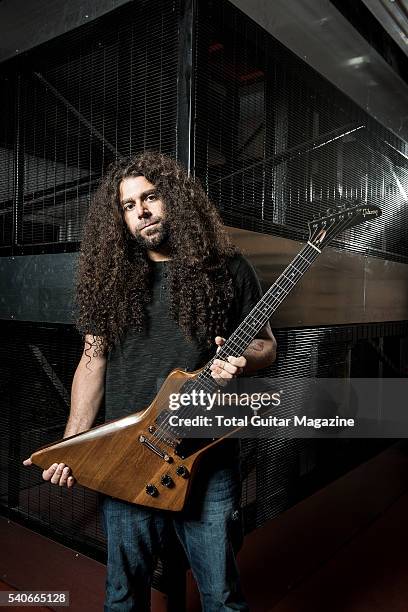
x: 324, y: 228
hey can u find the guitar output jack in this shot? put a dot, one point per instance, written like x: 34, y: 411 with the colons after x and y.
x: 151, y: 490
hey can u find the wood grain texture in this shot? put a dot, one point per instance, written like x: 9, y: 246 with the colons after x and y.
x: 110, y: 458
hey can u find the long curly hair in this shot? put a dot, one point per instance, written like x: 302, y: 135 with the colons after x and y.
x: 113, y: 284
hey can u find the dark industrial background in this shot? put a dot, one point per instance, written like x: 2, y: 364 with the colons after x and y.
x: 276, y: 133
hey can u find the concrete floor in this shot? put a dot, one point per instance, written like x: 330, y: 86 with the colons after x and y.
x: 345, y: 548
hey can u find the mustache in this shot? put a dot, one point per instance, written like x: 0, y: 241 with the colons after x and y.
x: 147, y: 222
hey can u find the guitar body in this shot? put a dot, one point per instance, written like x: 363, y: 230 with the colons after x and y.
x: 111, y: 458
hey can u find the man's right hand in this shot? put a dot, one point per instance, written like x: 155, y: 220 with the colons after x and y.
x: 57, y: 473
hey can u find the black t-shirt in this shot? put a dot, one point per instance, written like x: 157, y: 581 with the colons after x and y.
x: 137, y: 366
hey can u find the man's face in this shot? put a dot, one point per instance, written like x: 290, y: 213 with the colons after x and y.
x: 143, y: 212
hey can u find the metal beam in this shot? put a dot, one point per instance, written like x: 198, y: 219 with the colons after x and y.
x: 185, y: 86
x: 319, y: 34
x: 24, y: 24
x: 77, y: 114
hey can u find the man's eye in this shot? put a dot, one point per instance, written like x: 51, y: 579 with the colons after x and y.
x: 128, y: 206
x: 151, y: 197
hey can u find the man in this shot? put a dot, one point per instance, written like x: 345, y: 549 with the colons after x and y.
x: 160, y: 286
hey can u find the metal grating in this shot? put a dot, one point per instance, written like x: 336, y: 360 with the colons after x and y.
x: 108, y: 88
x: 276, y: 144
x: 37, y: 364
x: 7, y: 90
x: 281, y: 472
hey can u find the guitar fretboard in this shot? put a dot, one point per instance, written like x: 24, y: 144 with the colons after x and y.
x: 248, y: 329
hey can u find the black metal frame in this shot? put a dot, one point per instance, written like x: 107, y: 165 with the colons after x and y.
x: 186, y: 84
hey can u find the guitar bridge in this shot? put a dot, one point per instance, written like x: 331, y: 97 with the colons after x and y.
x: 155, y: 449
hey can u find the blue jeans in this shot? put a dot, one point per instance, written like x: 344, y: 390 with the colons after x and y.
x: 209, y: 530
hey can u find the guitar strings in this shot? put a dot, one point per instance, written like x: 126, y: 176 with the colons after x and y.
x: 200, y: 383
x: 267, y: 296
x: 205, y: 380
x: 206, y: 374
x: 211, y: 384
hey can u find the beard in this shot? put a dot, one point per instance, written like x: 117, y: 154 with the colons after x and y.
x: 153, y: 237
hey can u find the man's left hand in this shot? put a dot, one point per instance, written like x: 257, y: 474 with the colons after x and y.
x: 234, y: 366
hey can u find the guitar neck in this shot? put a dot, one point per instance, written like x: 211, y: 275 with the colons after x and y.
x: 248, y: 329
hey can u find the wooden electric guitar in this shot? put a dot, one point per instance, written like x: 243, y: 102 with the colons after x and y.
x: 140, y: 458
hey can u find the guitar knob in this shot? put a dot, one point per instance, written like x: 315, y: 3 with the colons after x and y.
x: 182, y: 471
x: 166, y: 481
x: 151, y: 490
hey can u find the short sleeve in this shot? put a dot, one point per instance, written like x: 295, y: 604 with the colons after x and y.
x: 247, y: 288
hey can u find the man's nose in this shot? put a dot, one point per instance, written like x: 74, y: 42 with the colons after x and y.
x: 142, y: 210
